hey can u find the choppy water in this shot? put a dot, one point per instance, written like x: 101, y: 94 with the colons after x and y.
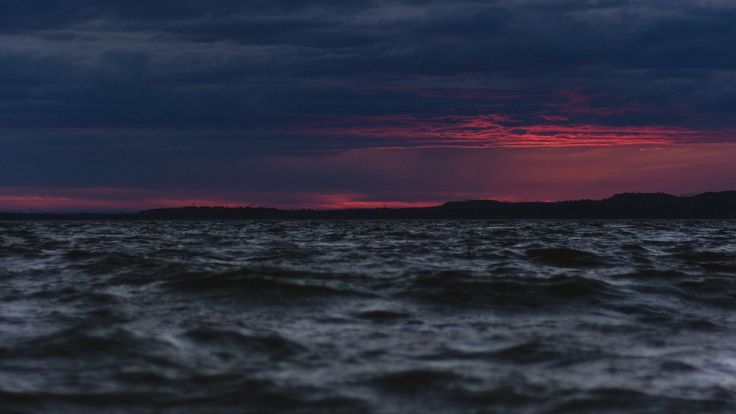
x: 368, y: 316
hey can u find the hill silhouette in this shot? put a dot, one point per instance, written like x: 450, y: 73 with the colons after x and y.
x: 713, y: 205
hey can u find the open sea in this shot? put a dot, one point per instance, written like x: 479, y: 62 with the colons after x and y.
x: 368, y: 317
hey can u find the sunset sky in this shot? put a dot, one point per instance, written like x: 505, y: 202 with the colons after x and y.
x: 132, y: 104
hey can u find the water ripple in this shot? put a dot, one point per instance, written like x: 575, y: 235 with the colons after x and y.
x: 368, y: 316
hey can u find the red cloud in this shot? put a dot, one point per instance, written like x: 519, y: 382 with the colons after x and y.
x: 501, y: 131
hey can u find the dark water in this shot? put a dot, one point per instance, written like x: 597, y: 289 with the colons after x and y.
x: 387, y: 317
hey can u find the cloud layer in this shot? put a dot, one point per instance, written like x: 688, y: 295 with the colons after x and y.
x: 194, y: 63
x: 147, y: 91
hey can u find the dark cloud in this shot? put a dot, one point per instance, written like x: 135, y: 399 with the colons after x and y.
x: 198, y: 82
x: 176, y: 49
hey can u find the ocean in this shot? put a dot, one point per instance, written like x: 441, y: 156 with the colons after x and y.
x: 368, y: 317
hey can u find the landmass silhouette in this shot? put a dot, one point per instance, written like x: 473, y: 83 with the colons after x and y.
x: 711, y: 205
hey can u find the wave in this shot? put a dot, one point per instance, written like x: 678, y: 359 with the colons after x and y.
x: 259, y: 282
x: 566, y: 257
x: 367, y: 317
x: 470, y: 290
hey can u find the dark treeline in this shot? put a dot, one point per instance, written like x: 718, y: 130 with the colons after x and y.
x: 621, y: 206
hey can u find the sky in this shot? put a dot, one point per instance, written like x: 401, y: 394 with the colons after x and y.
x: 129, y: 104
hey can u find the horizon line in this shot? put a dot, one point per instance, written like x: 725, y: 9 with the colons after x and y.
x: 384, y: 207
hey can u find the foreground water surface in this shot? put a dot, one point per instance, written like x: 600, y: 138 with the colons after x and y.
x: 368, y: 316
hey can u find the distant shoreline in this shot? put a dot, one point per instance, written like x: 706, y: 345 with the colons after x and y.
x: 712, y: 205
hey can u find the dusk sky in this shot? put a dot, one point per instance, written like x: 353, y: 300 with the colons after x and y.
x: 132, y: 104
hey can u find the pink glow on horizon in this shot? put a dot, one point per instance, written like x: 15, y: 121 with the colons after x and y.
x: 349, y: 201
x: 408, y: 177
x: 40, y: 201
x: 115, y: 199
